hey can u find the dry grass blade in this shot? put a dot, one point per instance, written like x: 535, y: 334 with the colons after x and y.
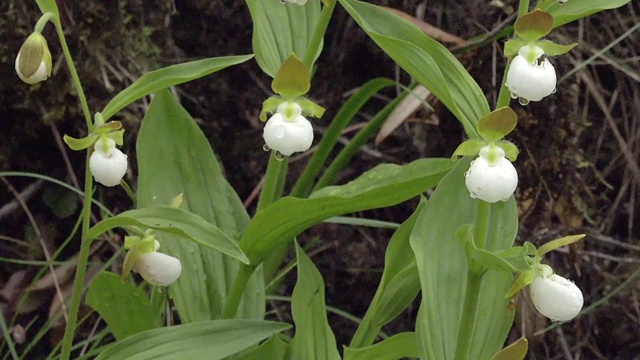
x: 402, y: 112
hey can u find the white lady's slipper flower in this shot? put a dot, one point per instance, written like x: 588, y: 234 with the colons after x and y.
x: 531, y: 76
x: 288, y: 131
x: 157, y: 268
x: 107, y: 164
x: 556, y: 297
x: 33, y: 63
x: 491, y: 177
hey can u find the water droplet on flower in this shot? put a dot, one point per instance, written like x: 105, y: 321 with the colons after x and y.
x: 279, y: 156
x: 266, y: 147
x: 514, y: 96
x: 554, y: 91
x: 523, y: 101
x: 280, y: 131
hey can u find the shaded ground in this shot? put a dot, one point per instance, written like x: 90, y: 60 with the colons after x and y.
x: 575, y: 176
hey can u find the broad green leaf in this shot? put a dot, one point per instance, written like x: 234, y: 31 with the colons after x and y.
x: 49, y: 6
x: 273, y: 349
x: 425, y: 59
x: 280, y: 30
x: 552, y: 49
x: 516, y: 351
x: 167, y: 77
x: 396, y: 347
x: 497, y: 124
x: 314, y: 338
x: 174, y: 157
x: 534, y: 25
x: 577, y: 9
x: 398, y: 287
x: 204, y: 340
x: 124, y: 307
x: 175, y: 221
x: 384, y: 185
x: 442, y: 266
x: 557, y: 243
x: 292, y: 79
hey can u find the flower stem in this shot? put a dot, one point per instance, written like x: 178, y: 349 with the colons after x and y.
x: 468, y: 319
x: 44, y: 19
x: 318, y: 34
x: 85, y: 244
x: 237, y: 290
x: 272, y: 182
x: 129, y: 191
x: 504, y: 96
x: 523, y: 7
x: 483, y: 215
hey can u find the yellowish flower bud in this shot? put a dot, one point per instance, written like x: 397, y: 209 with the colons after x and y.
x: 33, y: 63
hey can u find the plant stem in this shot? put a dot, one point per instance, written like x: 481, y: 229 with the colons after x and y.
x: 469, y: 310
x: 271, y: 181
x: 504, y: 96
x: 318, y: 34
x: 129, y: 191
x: 237, y: 290
x: 81, y: 266
x: 483, y: 215
x: 523, y: 7
x: 85, y: 244
x: 44, y: 19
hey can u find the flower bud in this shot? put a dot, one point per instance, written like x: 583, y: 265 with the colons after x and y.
x: 287, y: 131
x: 158, y: 268
x: 531, y: 76
x: 556, y: 297
x: 107, y: 164
x: 491, y: 177
x: 33, y: 63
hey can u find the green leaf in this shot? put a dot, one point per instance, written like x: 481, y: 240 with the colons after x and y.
x: 512, y: 46
x: 124, y: 307
x: 552, y: 49
x: 174, y: 157
x: 314, y: 338
x: 558, y: 243
x: 398, y: 287
x: 210, y: 340
x: 534, y: 25
x: 80, y: 144
x: 167, y: 77
x: 469, y: 148
x: 384, y: 185
x: 425, y: 59
x: 497, y: 124
x: 280, y: 30
x: 292, y: 79
x: 516, y: 351
x: 510, y: 149
x: 273, y: 349
x: 396, y: 347
x: 442, y: 266
x: 175, y: 221
x: 577, y: 9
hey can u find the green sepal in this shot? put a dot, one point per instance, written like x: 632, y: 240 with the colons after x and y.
x: 131, y: 241
x: 515, y: 351
x: 269, y: 106
x: 292, y: 79
x: 136, y: 246
x: 130, y: 260
x: 497, y: 124
x: 510, y: 149
x: 534, y: 25
x: 523, y: 280
x: 310, y: 108
x: 80, y: 144
x: 512, y: 46
x: 110, y: 126
x: 117, y: 136
x: 469, y: 147
x: 557, y: 243
x: 552, y: 49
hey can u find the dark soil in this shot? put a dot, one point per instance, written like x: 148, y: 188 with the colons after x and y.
x: 573, y: 175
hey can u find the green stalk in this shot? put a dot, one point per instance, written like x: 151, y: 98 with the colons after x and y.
x: 44, y: 19
x: 318, y: 34
x: 504, y: 96
x: 237, y: 290
x: 129, y: 191
x: 469, y: 310
x: 85, y: 244
x: 7, y: 337
x: 523, y: 8
x: 483, y: 215
x: 275, y: 169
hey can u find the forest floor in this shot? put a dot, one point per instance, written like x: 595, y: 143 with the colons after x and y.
x: 578, y: 164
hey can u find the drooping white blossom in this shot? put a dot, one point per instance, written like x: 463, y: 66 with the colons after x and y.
x: 158, y: 268
x: 288, y: 131
x: 107, y: 163
x: 556, y: 297
x: 531, y: 76
x: 491, y: 177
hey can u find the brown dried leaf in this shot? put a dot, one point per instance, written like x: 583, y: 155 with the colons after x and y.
x: 429, y: 29
x: 402, y: 112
